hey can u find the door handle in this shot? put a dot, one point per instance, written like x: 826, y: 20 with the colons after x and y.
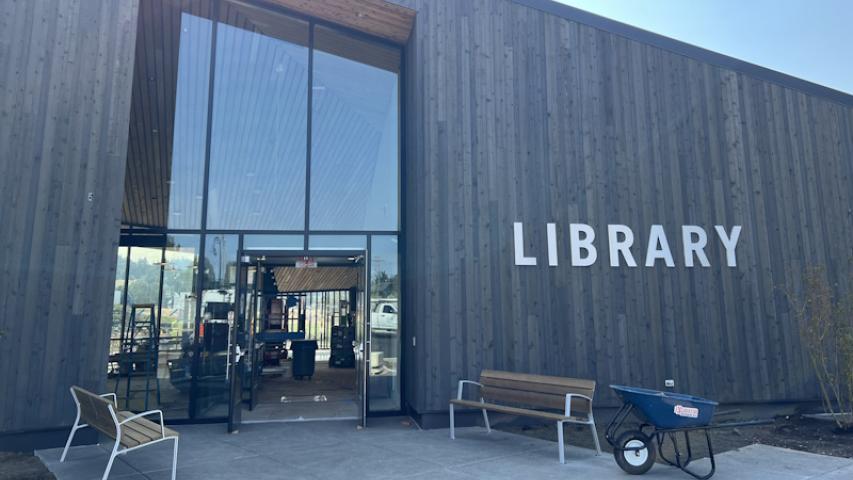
x: 238, y: 354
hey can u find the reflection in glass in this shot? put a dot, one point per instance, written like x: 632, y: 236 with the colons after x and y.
x: 186, y: 184
x: 354, y: 138
x: 151, y: 350
x: 273, y: 242
x: 118, y: 302
x: 258, y: 148
x: 177, y: 322
x: 217, y: 320
x: 168, y: 118
x: 133, y: 361
x: 384, y: 324
x: 337, y: 242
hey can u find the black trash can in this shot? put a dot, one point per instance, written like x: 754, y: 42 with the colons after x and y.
x: 304, y: 353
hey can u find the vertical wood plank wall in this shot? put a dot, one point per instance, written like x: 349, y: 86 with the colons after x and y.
x: 65, y: 86
x: 513, y: 114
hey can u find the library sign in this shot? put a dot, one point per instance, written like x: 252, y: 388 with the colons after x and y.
x: 619, y: 244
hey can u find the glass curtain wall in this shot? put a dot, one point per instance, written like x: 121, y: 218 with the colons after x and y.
x: 260, y: 124
x: 152, y: 336
x: 254, y: 129
x: 385, y: 335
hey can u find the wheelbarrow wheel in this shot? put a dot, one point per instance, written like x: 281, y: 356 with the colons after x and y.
x: 639, y: 457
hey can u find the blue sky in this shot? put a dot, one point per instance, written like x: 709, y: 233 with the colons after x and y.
x: 812, y: 40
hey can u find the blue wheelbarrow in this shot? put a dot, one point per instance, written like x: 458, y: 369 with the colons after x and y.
x: 663, y: 416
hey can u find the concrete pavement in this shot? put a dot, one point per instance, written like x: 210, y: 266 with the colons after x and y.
x: 390, y: 449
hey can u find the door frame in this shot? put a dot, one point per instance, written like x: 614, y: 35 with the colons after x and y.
x: 247, y: 257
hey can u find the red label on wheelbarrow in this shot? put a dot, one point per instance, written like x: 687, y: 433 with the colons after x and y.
x: 688, y: 412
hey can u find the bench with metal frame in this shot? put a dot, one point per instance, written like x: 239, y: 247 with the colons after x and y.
x: 129, y: 430
x: 533, y: 396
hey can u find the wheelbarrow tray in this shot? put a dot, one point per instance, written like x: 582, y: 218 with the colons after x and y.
x: 667, y: 410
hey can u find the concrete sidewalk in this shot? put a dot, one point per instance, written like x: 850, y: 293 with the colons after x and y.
x: 388, y: 449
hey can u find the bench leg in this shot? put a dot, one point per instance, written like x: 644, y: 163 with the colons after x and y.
x: 452, y: 426
x: 560, y: 442
x: 113, y: 456
x: 486, y: 419
x: 70, y: 438
x: 175, y: 459
x: 594, y: 435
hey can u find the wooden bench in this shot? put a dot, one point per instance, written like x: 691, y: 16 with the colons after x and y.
x: 129, y: 430
x: 536, y: 396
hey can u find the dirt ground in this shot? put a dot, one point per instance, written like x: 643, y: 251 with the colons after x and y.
x: 19, y: 466
x: 789, y: 431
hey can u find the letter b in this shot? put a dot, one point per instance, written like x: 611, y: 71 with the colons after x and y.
x: 585, y: 243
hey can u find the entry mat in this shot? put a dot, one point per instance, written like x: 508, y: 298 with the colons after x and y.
x: 303, y: 398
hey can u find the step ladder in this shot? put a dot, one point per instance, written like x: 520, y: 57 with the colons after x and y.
x: 138, y: 355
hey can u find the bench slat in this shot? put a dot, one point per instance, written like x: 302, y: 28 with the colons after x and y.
x: 535, y: 391
x: 571, y: 383
x: 94, y: 410
x: 515, y: 410
x: 532, y: 399
x: 531, y: 386
x: 141, y: 430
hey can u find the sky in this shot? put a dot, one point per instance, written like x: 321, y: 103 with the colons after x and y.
x: 810, y: 39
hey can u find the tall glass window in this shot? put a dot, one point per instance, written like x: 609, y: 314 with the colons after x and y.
x: 186, y: 184
x: 164, y: 184
x: 177, y: 322
x: 259, y: 131
x: 384, y: 324
x: 355, y: 136
x: 218, y: 297
x: 151, y: 344
x: 133, y: 361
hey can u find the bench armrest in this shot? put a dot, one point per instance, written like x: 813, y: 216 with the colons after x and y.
x: 113, y: 395
x: 569, y: 402
x: 145, y: 414
x: 462, y: 384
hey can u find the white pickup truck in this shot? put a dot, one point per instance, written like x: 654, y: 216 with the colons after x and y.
x: 384, y: 316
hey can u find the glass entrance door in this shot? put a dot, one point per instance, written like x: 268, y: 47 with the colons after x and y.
x: 362, y: 345
x: 302, y: 339
x: 240, y: 364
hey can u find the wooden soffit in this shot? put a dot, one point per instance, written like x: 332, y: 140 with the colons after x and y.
x: 291, y: 279
x: 375, y: 17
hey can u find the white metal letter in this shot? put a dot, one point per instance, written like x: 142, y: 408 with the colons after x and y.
x: 688, y: 233
x: 623, y: 246
x: 658, y: 247
x: 518, y: 235
x: 729, y: 243
x: 552, y: 244
x: 584, y: 243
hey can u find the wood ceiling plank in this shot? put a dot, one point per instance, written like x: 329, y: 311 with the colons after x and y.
x: 291, y: 279
x: 375, y: 17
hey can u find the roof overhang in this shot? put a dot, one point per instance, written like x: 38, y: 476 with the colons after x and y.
x: 378, y: 18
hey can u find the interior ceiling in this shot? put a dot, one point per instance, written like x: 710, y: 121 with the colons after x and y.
x: 291, y: 279
x: 152, y: 109
x: 150, y: 142
x: 376, y: 17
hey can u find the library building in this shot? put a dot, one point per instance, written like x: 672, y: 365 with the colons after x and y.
x: 244, y: 211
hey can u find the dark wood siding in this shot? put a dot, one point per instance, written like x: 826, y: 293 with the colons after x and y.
x: 65, y: 87
x: 513, y: 114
